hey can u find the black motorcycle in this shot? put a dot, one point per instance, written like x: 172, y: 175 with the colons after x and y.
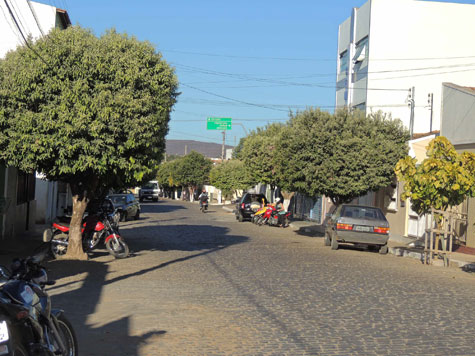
x: 29, y: 326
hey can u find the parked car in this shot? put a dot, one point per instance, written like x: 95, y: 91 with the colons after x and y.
x: 248, y: 205
x: 128, y: 207
x: 149, y: 191
x: 357, y: 224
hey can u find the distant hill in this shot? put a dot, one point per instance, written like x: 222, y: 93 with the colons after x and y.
x: 210, y: 150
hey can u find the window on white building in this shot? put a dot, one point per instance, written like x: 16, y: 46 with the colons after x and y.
x: 343, y: 62
x: 361, y: 50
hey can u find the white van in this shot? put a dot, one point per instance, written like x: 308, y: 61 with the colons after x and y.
x: 149, y: 191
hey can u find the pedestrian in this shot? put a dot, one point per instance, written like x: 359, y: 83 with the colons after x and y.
x: 279, y: 206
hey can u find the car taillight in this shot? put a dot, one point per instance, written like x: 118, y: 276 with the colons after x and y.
x: 381, y: 230
x: 242, y: 206
x: 344, y: 226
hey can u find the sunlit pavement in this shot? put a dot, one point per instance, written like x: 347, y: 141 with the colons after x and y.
x: 205, y: 284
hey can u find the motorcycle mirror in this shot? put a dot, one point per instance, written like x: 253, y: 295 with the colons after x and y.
x: 4, y: 272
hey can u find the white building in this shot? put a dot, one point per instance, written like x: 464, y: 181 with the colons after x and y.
x: 387, y: 47
x: 20, y: 204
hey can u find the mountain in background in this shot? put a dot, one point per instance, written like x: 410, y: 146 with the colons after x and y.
x: 208, y: 149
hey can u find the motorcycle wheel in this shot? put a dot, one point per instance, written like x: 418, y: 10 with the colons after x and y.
x: 117, y: 248
x: 68, y: 336
x: 56, y: 249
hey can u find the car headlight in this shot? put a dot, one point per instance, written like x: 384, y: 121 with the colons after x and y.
x: 4, y: 335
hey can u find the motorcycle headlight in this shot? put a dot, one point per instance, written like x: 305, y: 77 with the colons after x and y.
x: 4, y: 335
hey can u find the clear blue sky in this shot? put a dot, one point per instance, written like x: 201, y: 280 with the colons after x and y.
x: 252, y: 61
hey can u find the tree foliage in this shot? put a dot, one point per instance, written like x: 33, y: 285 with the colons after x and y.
x: 193, y: 169
x: 257, y: 152
x: 444, y: 179
x: 342, y: 156
x: 230, y: 176
x: 89, y: 111
x: 189, y: 171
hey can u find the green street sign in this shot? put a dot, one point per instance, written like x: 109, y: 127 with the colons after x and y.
x: 218, y: 123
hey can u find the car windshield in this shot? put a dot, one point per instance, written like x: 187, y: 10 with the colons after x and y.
x: 254, y: 197
x: 150, y: 186
x: 362, y: 212
x: 118, y: 200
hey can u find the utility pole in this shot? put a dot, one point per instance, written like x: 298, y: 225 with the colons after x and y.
x: 186, y: 149
x: 411, y: 102
x: 222, y: 150
x: 430, y: 101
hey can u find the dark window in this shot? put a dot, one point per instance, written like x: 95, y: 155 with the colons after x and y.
x: 25, y: 187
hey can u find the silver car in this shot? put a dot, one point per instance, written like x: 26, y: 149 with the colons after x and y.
x: 357, y: 224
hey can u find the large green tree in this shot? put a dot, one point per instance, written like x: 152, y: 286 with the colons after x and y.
x: 193, y: 170
x: 342, y: 156
x: 257, y: 151
x: 90, y: 111
x: 230, y: 176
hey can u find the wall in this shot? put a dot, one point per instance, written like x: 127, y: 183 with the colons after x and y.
x: 406, y: 29
x: 458, y: 113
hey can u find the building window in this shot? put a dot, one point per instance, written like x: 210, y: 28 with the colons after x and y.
x: 25, y: 188
x: 361, y: 50
x: 360, y: 107
x: 361, y: 54
x: 343, y: 62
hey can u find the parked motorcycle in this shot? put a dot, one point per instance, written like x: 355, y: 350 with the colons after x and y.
x: 28, y: 323
x: 97, y: 227
x: 258, y: 215
x: 274, y: 218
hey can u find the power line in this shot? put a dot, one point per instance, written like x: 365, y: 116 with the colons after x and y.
x: 21, y: 33
x: 228, y: 98
x: 310, y: 59
x: 35, y: 17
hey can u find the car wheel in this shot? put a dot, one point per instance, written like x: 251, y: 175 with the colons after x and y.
x: 334, y: 243
x: 123, y: 216
x: 137, y: 215
x: 383, y: 249
x: 240, y: 217
x: 327, y: 240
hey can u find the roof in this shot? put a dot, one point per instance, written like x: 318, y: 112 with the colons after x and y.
x: 468, y: 90
x: 425, y: 134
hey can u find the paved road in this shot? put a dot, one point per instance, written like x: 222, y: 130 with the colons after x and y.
x: 205, y: 284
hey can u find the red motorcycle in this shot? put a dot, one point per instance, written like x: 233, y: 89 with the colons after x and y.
x: 267, y: 215
x: 274, y: 219
x: 101, y: 226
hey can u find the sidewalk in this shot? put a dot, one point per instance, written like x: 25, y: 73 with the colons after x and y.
x: 398, y: 245
x: 22, y: 245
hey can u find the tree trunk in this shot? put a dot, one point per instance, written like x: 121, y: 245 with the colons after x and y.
x: 75, y: 250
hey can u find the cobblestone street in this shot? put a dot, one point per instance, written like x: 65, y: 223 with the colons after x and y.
x: 205, y: 284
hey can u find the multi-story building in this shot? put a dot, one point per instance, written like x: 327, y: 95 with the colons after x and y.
x: 20, y: 20
x: 394, y: 56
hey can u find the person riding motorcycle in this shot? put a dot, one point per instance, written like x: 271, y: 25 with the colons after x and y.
x: 203, y: 198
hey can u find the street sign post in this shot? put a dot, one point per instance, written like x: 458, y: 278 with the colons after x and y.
x: 218, y: 123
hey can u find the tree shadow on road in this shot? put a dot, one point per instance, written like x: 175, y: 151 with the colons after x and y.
x: 160, y: 207
x: 179, y: 237
x: 81, y: 284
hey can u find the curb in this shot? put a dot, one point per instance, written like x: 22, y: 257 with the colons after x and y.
x: 403, y: 252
